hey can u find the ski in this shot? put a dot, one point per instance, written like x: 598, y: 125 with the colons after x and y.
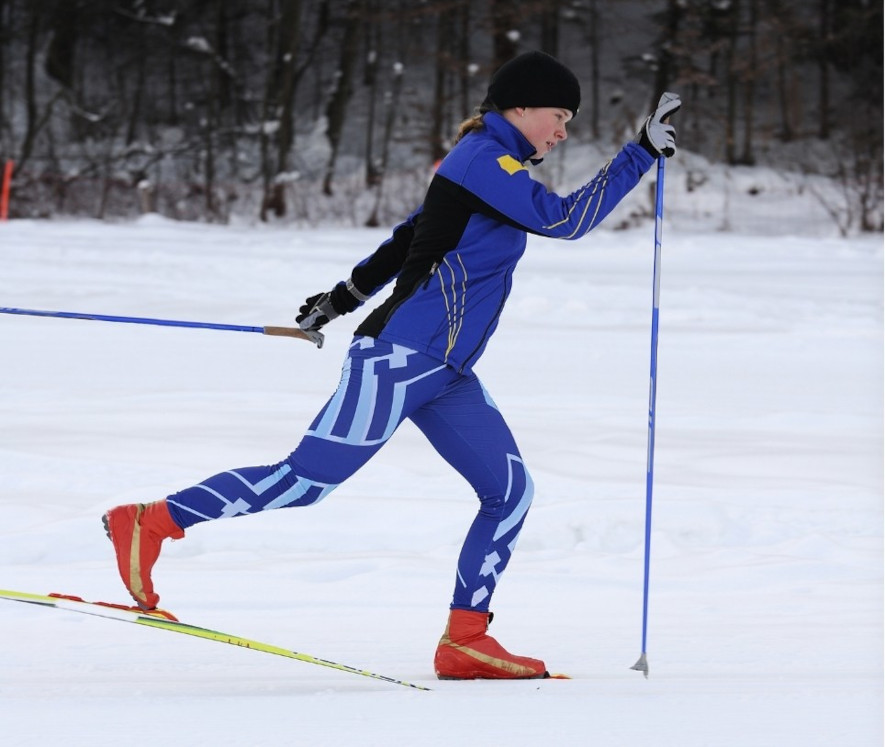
x: 166, y: 621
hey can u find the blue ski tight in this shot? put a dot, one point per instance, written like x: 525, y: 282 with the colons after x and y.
x: 381, y: 385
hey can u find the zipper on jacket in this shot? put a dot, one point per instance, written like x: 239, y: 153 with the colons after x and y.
x: 485, y: 335
x: 433, y: 268
x: 418, y: 284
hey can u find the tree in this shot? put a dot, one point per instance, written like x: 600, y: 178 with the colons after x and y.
x: 730, y: 19
x: 749, y: 74
x: 504, y: 15
x: 549, y: 23
x: 205, y: 101
x: 286, y: 40
x: 343, y: 86
x: 825, y: 31
x: 586, y: 16
x: 33, y: 122
x: 391, y: 102
x: 445, y: 62
x: 5, y: 42
x: 666, y: 70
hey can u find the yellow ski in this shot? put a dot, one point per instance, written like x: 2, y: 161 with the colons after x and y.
x: 166, y: 621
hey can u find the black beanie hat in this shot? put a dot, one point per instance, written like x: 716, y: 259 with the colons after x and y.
x: 533, y: 79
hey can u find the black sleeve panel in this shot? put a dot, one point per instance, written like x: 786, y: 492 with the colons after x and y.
x: 438, y: 230
x: 380, y: 268
x: 474, y: 204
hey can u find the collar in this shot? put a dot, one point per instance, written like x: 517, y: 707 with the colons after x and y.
x: 509, y: 136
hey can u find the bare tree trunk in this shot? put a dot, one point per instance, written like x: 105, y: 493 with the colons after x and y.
x: 31, y: 122
x: 504, y: 20
x: 550, y: 27
x: 783, y: 90
x: 172, y: 80
x: 140, y: 64
x: 392, y: 104
x: 4, y: 42
x: 337, y: 107
x: 731, y: 84
x: 374, y: 44
x: 594, y: 38
x: 271, y: 200
x: 283, y: 37
x: 823, y: 66
x: 288, y: 80
x: 586, y: 17
x: 445, y: 24
x: 286, y: 41
x: 783, y: 61
x: 65, y: 27
x: 750, y: 75
x: 666, y: 69
x: 209, y: 156
x: 223, y: 83
x: 106, y: 168
x: 218, y: 100
x: 465, y: 71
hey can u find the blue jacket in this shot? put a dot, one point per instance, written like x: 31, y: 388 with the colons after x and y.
x: 454, y: 257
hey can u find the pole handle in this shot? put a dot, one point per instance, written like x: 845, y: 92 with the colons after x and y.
x: 315, y: 337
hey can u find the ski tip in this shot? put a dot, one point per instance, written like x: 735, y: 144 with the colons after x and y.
x: 558, y: 676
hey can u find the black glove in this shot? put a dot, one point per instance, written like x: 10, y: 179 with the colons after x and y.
x: 317, y: 311
x: 655, y: 135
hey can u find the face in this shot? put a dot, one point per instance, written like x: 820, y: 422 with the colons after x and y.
x: 542, y: 126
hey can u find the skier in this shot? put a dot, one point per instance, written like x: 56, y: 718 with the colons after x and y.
x: 413, y: 356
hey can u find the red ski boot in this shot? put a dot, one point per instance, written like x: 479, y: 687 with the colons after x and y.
x: 137, y: 531
x: 467, y: 652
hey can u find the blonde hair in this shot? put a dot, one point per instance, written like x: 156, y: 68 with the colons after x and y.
x: 474, y: 123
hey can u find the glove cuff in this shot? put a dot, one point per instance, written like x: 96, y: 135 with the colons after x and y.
x: 644, y: 140
x: 345, y: 297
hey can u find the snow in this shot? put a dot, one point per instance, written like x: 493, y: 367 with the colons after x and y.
x: 766, y: 603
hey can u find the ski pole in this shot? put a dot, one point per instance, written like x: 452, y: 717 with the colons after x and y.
x: 314, y: 337
x: 642, y: 664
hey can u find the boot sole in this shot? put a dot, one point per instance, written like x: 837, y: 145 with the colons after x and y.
x: 544, y: 676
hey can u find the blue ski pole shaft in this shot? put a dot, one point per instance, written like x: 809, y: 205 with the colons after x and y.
x: 642, y: 664
x: 314, y: 337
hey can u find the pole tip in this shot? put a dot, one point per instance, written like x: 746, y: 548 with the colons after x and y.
x: 641, y: 665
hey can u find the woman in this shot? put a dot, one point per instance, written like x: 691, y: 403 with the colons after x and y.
x: 413, y: 356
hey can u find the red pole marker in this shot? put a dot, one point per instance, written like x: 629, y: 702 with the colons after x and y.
x: 4, y: 192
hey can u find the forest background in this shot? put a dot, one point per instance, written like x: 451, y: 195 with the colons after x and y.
x: 317, y: 111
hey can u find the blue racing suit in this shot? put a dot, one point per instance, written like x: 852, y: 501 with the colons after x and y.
x: 412, y: 357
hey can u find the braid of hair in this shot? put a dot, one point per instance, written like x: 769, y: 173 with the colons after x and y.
x: 474, y: 123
